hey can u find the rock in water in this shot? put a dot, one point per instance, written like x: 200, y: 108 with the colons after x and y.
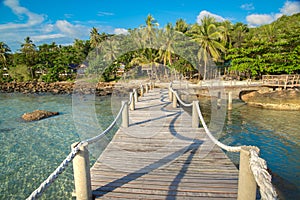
x: 277, y: 100
x: 38, y: 115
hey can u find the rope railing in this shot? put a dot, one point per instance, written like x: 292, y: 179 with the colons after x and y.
x: 77, y: 148
x: 256, y: 164
x: 180, y: 100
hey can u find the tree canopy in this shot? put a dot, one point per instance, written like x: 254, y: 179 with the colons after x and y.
x: 235, y: 48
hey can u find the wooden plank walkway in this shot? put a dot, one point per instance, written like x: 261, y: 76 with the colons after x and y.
x: 159, y: 156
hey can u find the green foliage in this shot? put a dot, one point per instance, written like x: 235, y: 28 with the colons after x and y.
x: 20, y: 73
x: 269, y: 49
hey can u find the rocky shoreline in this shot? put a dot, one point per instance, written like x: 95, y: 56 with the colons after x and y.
x: 100, y: 89
x: 276, y: 100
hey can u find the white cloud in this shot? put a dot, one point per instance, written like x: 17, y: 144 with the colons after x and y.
x: 47, y: 28
x: 33, y: 18
x: 66, y: 27
x: 101, y: 13
x: 72, y: 30
x: 39, y: 38
x: 119, y: 31
x: 205, y: 13
x: 259, y: 19
x: 247, y: 6
x: 290, y: 7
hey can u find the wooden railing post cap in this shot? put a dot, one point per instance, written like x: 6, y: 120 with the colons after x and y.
x: 77, y: 143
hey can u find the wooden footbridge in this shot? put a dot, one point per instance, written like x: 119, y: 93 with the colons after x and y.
x: 159, y: 157
x: 159, y: 152
x: 281, y: 81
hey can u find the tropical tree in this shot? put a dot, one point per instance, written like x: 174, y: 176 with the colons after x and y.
x: 208, y: 36
x: 47, y: 54
x: 226, y: 28
x: 238, y: 34
x: 4, y: 54
x: 94, y: 38
x: 149, y: 31
x: 168, y: 38
x: 181, y: 26
x: 82, y: 49
x: 29, y: 55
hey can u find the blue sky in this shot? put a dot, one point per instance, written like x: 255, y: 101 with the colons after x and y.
x: 62, y: 21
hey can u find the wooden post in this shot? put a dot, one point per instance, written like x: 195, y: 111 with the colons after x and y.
x: 195, y: 117
x: 219, y: 100
x: 132, y: 103
x: 229, y: 100
x: 246, y: 183
x: 135, y: 95
x: 142, y: 90
x: 147, y: 88
x: 174, y: 100
x: 125, y: 115
x: 170, y: 94
x: 82, y: 176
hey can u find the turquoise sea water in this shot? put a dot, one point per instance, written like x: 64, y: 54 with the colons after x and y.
x: 31, y: 151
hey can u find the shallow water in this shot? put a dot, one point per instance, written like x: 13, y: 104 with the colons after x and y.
x: 31, y: 151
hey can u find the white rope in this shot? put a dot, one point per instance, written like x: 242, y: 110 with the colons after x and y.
x: 98, y: 137
x: 262, y: 177
x: 130, y: 98
x: 180, y: 101
x: 217, y: 142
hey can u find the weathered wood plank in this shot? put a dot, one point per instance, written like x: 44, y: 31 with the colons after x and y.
x: 159, y: 156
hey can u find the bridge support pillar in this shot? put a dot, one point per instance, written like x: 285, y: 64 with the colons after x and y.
x: 125, y: 115
x: 147, y: 88
x: 132, y: 101
x: 195, y: 117
x: 170, y: 95
x: 246, y: 183
x: 82, y: 176
x: 135, y: 95
x: 142, y: 90
x: 174, y: 100
x: 229, y: 100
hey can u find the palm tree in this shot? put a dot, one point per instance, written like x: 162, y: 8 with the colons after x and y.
x: 209, y: 38
x: 181, y: 26
x: 29, y: 54
x: 148, y: 59
x: 269, y: 32
x: 151, y: 23
x: 4, y: 52
x: 238, y: 34
x: 94, y: 38
x: 150, y: 38
x: 226, y: 29
x: 168, y: 36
